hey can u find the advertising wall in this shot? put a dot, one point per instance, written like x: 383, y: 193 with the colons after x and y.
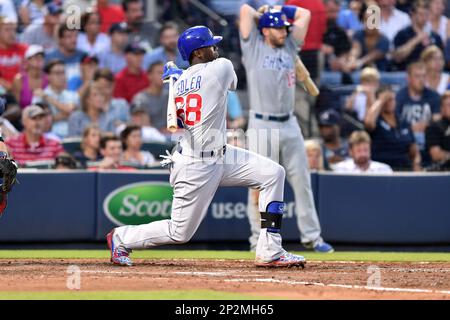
x: 385, y: 209
x: 84, y: 206
x: 49, y: 206
x: 140, y: 198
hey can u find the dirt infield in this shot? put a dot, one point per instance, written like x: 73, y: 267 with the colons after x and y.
x: 319, y: 280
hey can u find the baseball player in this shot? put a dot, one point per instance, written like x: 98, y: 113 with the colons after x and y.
x: 202, y: 161
x: 269, y: 46
x: 8, y: 168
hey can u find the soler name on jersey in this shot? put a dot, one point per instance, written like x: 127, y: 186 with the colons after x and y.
x: 188, y: 85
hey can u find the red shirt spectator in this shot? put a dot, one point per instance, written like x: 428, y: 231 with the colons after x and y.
x: 318, y: 24
x: 132, y: 78
x: 109, y: 14
x: 11, y: 53
x: 129, y: 84
x: 32, y: 145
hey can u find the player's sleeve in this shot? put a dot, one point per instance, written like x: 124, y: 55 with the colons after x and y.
x: 225, y: 73
x: 292, y: 42
x: 293, y: 45
x: 249, y: 44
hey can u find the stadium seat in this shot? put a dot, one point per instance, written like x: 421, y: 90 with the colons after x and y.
x: 40, y: 164
x: 330, y: 78
x: 397, y: 78
x: 72, y: 145
x: 342, y: 93
x: 394, y: 78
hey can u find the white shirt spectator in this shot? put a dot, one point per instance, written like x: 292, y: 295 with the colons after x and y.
x: 359, y: 105
x: 8, y: 10
x: 150, y: 134
x: 349, y: 166
x: 398, y: 21
x: 102, y: 44
x: 36, y: 14
x: 443, y: 83
x: 147, y: 159
x: 443, y: 21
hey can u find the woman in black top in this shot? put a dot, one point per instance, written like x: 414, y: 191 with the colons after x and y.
x: 393, y: 141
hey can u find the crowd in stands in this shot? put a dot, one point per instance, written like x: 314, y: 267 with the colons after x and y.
x: 412, y: 44
x: 99, y: 85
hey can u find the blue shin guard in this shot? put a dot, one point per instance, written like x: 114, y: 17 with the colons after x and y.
x: 271, y: 219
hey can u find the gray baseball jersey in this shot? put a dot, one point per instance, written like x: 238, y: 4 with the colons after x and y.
x: 272, y: 68
x: 271, y: 85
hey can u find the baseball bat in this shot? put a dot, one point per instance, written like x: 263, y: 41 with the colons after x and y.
x: 304, y: 76
x: 171, y: 109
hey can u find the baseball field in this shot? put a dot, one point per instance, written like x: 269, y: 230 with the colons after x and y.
x: 159, y: 274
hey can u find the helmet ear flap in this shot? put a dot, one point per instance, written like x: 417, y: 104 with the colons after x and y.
x: 191, y: 56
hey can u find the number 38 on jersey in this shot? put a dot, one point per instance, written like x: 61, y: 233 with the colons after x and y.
x: 189, y: 108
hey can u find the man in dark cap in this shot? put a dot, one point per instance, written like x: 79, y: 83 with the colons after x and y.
x: 335, y: 149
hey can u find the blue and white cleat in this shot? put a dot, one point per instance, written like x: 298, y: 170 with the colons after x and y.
x: 323, y: 247
x: 119, y: 257
x: 319, y: 246
x: 286, y: 260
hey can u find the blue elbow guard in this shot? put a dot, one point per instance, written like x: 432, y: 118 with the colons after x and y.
x: 289, y: 11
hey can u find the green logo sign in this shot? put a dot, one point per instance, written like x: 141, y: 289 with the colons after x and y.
x: 139, y: 203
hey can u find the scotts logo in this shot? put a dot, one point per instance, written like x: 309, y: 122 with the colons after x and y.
x: 139, y: 203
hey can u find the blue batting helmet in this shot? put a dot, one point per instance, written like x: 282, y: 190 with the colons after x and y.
x: 195, y: 38
x: 273, y: 19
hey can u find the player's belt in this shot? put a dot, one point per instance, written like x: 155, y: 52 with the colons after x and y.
x: 272, y: 117
x: 203, y: 154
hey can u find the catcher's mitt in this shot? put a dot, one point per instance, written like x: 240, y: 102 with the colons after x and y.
x: 8, y: 172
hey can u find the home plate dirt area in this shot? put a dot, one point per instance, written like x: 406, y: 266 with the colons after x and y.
x: 318, y: 280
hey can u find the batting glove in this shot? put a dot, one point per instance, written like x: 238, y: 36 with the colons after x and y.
x: 167, y: 159
x: 171, y: 70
